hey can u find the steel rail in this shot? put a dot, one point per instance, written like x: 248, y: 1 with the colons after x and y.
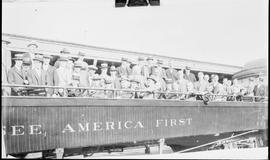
x: 125, y: 90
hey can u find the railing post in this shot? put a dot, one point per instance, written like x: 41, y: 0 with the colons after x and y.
x: 59, y: 153
x: 161, y: 145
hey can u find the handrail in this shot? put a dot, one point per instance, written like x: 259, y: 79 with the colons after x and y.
x: 125, y: 90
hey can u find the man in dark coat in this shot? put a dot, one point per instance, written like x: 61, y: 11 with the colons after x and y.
x: 260, y: 90
x: 189, y: 76
x: 171, y: 73
x: 15, y: 75
x: 49, y: 70
x: 124, y: 69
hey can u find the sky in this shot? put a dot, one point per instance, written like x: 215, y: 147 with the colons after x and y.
x: 229, y: 32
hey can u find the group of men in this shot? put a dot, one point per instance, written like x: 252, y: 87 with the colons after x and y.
x: 142, y: 78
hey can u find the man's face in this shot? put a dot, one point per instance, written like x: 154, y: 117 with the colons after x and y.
x: 32, y: 49
x: 200, y: 75
x: 18, y: 62
x: 225, y: 81
x: 77, y: 69
x: 46, y: 60
x: 104, y: 70
x: 113, y: 73
x: 91, y: 71
x: 25, y: 67
x: 206, y: 77
x: 37, y: 64
x: 63, y: 64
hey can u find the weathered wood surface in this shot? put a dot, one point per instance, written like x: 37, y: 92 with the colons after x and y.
x: 35, y: 124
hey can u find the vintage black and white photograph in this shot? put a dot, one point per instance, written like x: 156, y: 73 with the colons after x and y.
x: 134, y: 79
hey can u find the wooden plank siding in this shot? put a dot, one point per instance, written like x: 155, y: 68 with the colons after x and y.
x: 50, y: 123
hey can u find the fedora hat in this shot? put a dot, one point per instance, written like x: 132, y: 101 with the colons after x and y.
x: 140, y: 59
x: 18, y: 56
x: 33, y: 43
x: 47, y: 56
x: 149, y: 58
x: 65, y: 51
x: 78, y: 64
x: 38, y: 58
x: 81, y: 53
x: 63, y: 59
x: 104, y: 65
x: 159, y: 61
x: 112, y: 68
x: 92, y: 67
x: 6, y: 41
x: 188, y: 68
x: 26, y: 60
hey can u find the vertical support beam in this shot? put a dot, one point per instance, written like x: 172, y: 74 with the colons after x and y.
x: 95, y: 62
x: 59, y: 153
x: 4, y: 154
x: 161, y: 145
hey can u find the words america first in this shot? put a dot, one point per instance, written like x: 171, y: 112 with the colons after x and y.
x: 37, y: 129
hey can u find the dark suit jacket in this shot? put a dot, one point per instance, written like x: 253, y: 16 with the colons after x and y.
x: 15, y: 76
x: 124, y: 71
x: 171, y: 74
x: 49, y: 80
x: 191, y: 77
x: 35, y: 79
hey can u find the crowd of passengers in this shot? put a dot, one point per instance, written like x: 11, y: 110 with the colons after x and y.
x: 146, y: 77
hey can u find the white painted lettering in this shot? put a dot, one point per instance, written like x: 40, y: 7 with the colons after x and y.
x: 158, y: 122
x: 181, y: 122
x: 83, y: 128
x: 119, y: 125
x: 35, y: 129
x: 68, y: 128
x: 189, y: 120
x: 17, y: 130
x: 109, y: 125
x: 126, y: 124
x: 138, y: 124
x: 173, y: 122
x: 97, y: 126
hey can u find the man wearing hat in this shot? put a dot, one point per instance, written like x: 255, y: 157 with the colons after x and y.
x: 15, y: 75
x: 96, y: 83
x: 37, y: 74
x: 104, y: 71
x: 250, y: 87
x: 260, y: 90
x: 170, y: 87
x: 75, y: 82
x: 49, y: 73
x: 91, y: 73
x: 152, y: 86
x: 136, y: 84
x: 115, y: 78
x: 189, y: 76
x: 32, y: 47
x: 124, y: 69
x: 81, y: 56
x: 147, y: 68
x: 61, y: 77
x: 160, y: 73
x: 171, y: 73
x: 125, y: 84
x: 201, y: 86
